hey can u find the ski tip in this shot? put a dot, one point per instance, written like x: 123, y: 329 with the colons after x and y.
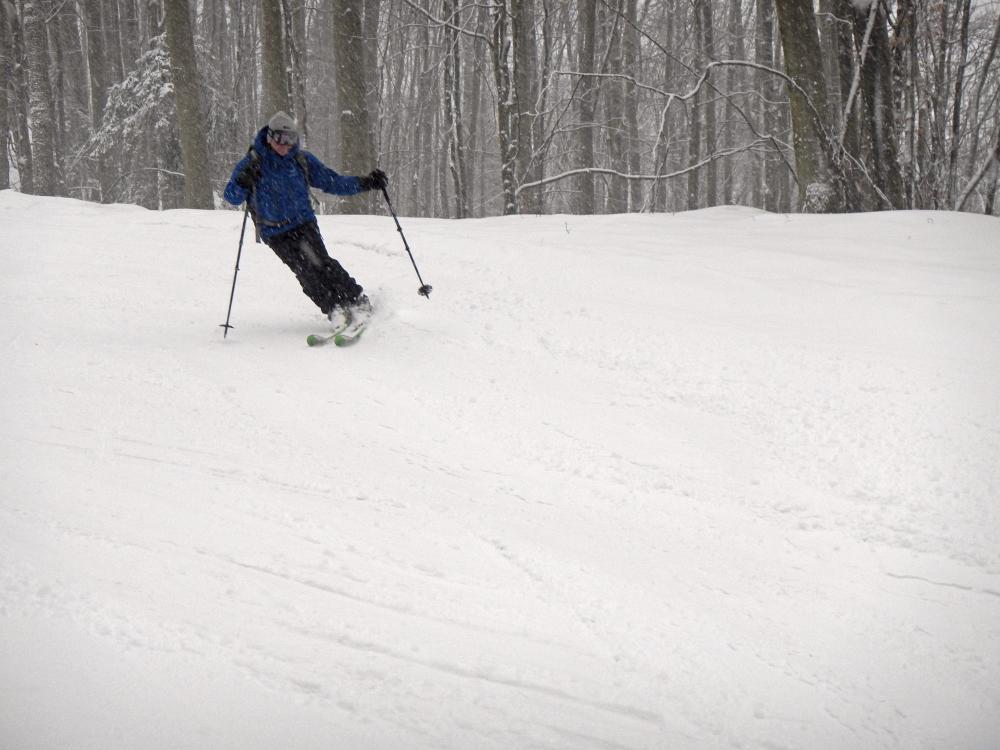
x: 345, y: 340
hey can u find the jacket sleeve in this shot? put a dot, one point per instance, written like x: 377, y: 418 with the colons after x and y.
x: 234, y: 193
x: 324, y: 178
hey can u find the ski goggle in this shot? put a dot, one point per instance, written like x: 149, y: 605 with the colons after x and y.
x: 283, y: 137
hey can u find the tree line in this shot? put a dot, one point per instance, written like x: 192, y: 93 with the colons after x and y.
x: 514, y: 106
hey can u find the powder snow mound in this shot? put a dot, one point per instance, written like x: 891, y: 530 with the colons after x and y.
x: 649, y: 481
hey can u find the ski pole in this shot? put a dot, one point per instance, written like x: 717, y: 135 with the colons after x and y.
x: 225, y: 326
x: 425, y: 289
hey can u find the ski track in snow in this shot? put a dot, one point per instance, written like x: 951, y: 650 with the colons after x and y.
x: 717, y: 479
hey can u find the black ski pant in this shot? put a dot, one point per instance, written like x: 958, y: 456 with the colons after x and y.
x: 323, y: 279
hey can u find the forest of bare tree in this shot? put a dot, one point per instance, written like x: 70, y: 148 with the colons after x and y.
x: 514, y: 106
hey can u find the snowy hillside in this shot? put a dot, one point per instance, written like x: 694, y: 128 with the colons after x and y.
x: 718, y: 479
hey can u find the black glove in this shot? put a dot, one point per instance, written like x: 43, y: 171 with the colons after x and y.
x: 245, y: 179
x: 374, y: 181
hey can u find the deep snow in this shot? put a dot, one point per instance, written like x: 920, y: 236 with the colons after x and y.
x: 716, y: 479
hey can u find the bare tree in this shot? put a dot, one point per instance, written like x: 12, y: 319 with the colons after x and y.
x: 98, y: 86
x: 293, y: 14
x: 956, y: 120
x: 734, y: 78
x: 191, y: 122
x: 356, y: 142
x: 818, y: 189
x: 275, y: 94
x: 992, y: 162
x: 621, y: 102
x: 586, y: 103
x: 6, y: 93
x: 774, y: 179
x: 522, y: 105
x: 500, y: 49
x: 455, y: 126
x: 45, y: 180
x: 527, y: 119
x: 706, y: 29
x: 878, y: 110
x: 974, y: 111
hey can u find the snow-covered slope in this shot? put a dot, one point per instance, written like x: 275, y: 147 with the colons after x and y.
x: 719, y: 479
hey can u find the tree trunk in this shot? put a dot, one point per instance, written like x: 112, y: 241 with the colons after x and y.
x: 992, y: 162
x: 631, y: 49
x: 734, y: 78
x: 452, y: 92
x: 190, y: 122
x: 133, y: 32
x: 937, y: 113
x: 6, y: 93
x: 40, y: 98
x: 818, y: 189
x: 420, y: 122
x: 772, y: 166
x: 57, y: 114
x: 977, y: 96
x: 850, y: 107
x: 707, y: 42
x: 614, y: 106
x: 621, y: 105
x: 695, y: 120
x: 908, y: 73
x: 829, y: 34
x: 98, y: 87
x: 956, y: 123
x: 586, y: 105
x: 658, y: 197
x: 356, y: 143
x: 294, y: 15
x: 113, y: 40
x: 506, y: 126
x: 273, y: 60
x: 477, y: 131
x: 879, y: 112
x: 73, y: 103
x: 526, y: 93
x: 846, y: 62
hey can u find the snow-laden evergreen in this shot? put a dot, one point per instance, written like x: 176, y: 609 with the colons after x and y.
x: 716, y: 479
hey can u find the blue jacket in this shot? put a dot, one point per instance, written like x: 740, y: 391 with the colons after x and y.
x: 281, y: 199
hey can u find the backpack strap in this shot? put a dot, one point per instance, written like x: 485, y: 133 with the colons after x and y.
x: 300, y: 159
x: 255, y: 172
x: 303, y: 162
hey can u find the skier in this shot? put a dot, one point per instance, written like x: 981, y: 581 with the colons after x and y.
x: 274, y: 177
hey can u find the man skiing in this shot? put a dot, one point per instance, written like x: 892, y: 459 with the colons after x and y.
x: 274, y: 177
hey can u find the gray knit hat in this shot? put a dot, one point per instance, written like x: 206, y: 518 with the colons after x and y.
x: 281, y: 121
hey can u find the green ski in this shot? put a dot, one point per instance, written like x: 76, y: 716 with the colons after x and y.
x: 347, y: 338
x: 346, y: 335
x: 314, y: 339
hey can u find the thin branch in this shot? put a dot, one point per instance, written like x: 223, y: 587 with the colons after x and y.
x: 704, y: 79
x: 835, y: 149
x: 617, y: 76
x: 440, y: 22
x: 646, y: 177
x: 993, y: 158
